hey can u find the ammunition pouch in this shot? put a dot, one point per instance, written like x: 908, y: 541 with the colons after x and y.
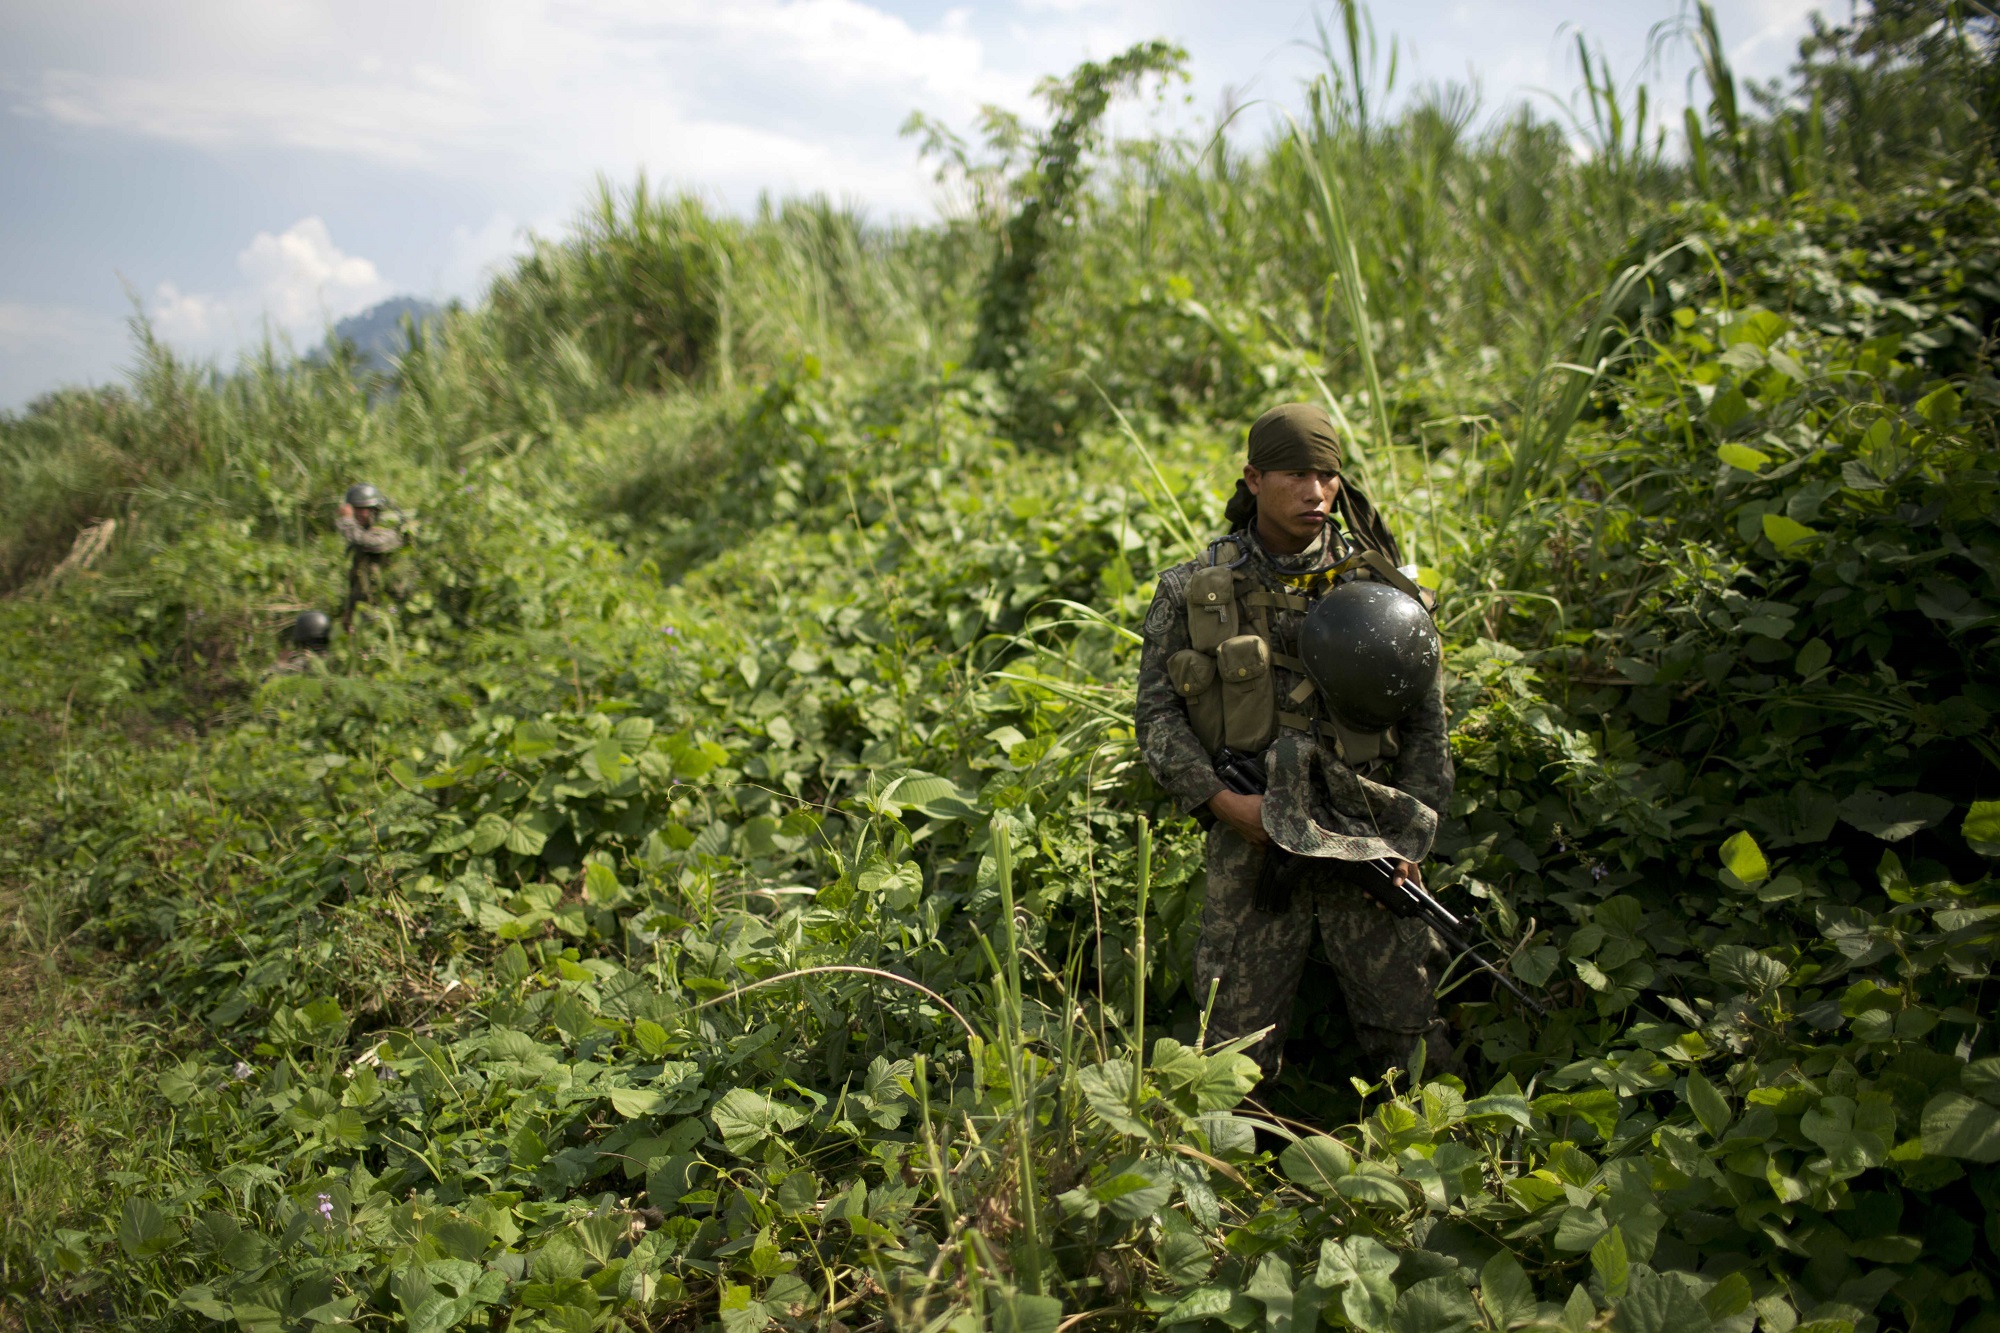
x: 1249, y: 693
x: 1194, y: 677
x: 1212, y: 614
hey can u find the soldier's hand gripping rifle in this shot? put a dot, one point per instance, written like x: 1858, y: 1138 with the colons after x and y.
x: 1244, y: 774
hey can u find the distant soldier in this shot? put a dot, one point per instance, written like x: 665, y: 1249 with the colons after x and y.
x: 309, y: 637
x: 1221, y: 675
x: 369, y: 546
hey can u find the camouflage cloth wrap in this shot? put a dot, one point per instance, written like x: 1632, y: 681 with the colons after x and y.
x: 1318, y: 806
x: 1388, y: 966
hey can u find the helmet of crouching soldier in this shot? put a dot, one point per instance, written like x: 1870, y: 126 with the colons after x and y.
x: 1372, y: 653
x: 363, y: 496
x: 312, y: 630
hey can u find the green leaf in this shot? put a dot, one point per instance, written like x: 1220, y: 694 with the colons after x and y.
x: 533, y: 738
x: 1579, y: 1312
x: 1660, y: 1303
x: 1609, y: 1262
x: 1981, y: 1078
x: 1373, y: 1183
x: 1982, y: 827
x: 1786, y: 533
x: 1012, y: 1312
x: 1435, y: 1305
x: 1363, y: 1270
x: 144, y: 1231
x: 1743, y: 457
x: 634, y: 1102
x: 601, y: 886
x: 1271, y: 1287
x: 1108, y: 1090
x: 1709, y: 1106
x: 607, y: 758
x: 1729, y: 408
x: 1506, y: 1292
x: 1510, y: 1106
x: 1743, y: 858
x: 1596, y: 1107
x: 1850, y: 1133
x: 652, y: 1038
x: 1535, y: 964
x: 1183, y: 1256
x: 1939, y: 407
x: 1727, y: 1298
x: 488, y: 834
x: 1956, y: 1125
x: 745, y: 1120
x: 1579, y: 1228
x: 1893, y: 818
x: 524, y: 840
x: 741, y: 1312
x: 1813, y: 658
x: 1133, y: 1194
x: 1317, y: 1163
x: 1201, y: 1303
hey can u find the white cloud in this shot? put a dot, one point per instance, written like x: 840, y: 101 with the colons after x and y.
x: 752, y: 95
x: 295, y: 283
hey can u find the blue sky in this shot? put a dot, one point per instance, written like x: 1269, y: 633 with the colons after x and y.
x: 238, y: 165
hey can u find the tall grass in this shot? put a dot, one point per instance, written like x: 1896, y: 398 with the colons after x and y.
x: 1414, y: 267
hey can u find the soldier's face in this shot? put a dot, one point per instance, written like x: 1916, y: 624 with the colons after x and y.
x: 365, y: 517
x: 1292, y: 507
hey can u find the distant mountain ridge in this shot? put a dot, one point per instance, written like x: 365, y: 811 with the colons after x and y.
x: 377, y: 332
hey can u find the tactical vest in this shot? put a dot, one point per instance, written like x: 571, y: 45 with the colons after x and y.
x: 1225, y: 678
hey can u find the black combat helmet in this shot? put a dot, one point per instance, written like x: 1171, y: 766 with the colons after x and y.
x: 363, y: 496
x: 312, y: 630
x: 1372, y: 653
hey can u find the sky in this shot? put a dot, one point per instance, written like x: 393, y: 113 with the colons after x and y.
x: 238, y: 167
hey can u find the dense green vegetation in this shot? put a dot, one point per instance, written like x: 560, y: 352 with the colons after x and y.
x: 724, y: 891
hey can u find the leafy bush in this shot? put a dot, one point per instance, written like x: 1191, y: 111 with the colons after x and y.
x: 725, y: 889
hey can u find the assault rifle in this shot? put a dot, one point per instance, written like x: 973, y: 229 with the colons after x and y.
x: 1406, y: 897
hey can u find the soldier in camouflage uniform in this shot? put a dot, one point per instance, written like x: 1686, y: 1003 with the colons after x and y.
x: 369, y: 547
x: 1288, y: 517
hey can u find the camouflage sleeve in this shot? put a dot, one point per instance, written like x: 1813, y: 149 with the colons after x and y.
x: 1166, y: 740
x: 375, y: 541
x: 1423, y: 764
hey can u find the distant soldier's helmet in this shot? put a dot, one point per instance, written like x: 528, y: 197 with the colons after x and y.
x: 1371, y: 652
x: 312, y: 629
x: 363, y: 496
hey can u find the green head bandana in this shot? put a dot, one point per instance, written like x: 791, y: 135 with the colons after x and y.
x: 1294, y: 437
x: 1300, y: 437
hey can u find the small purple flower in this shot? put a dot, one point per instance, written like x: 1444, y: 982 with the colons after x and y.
x: 241, y: 1072
x: 1598, y: 872
x: 326, y: 1206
